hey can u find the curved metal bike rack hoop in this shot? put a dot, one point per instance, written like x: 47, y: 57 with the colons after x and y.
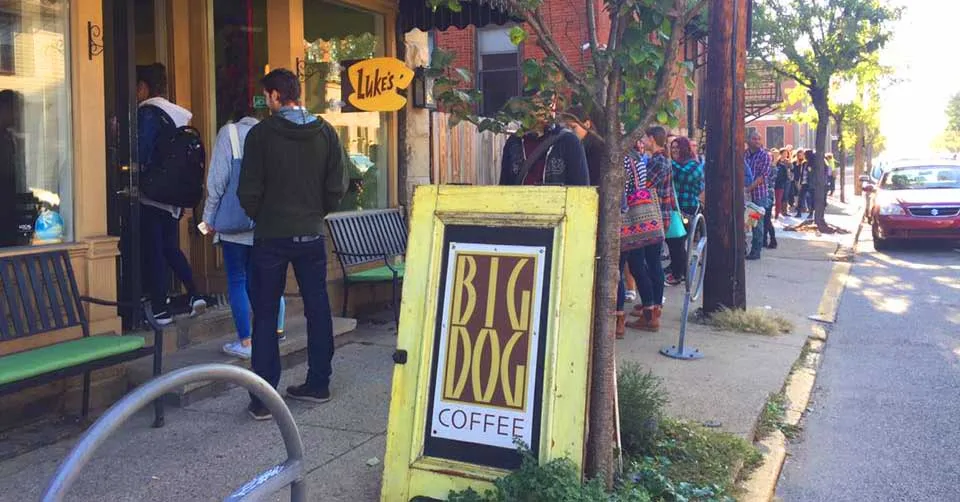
x: 696, y: 266
x: 274, y: 479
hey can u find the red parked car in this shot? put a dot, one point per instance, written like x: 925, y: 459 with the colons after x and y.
x: 919, y: 201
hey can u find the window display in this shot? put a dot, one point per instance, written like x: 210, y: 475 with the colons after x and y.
x: 333, y: 34
x: 35, y: 120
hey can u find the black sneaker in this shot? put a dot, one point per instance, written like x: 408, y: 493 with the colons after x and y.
x: 198, y: 305
x: 259, y: 412
x: 163, y: 318
x: 309, y: 394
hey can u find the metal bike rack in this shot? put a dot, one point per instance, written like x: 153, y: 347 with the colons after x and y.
x: 696, y: 266
x: 289, y: 473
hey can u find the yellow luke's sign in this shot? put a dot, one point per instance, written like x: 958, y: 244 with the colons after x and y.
x: 374, y: 84
x: 494, y: 274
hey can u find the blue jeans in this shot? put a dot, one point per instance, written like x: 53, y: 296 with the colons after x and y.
x: 236, y: 259
x: 160, y: 245
x: 270, y: 259
x: 647, y: 270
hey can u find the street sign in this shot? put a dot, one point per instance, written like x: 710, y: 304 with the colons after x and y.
x: 494, y: 338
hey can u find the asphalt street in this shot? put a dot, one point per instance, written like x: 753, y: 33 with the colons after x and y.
x: 884, y: 421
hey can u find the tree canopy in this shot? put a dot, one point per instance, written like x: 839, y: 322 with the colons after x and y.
x: 815, y: 41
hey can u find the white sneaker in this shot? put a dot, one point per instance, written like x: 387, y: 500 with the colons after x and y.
x: 237, y: 349
x: 631, y: 296
x: 198, y: 305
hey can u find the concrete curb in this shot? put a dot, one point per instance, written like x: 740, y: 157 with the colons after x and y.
x: 761, y: 486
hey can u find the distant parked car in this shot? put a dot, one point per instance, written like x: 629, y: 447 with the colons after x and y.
x: 919, y: 201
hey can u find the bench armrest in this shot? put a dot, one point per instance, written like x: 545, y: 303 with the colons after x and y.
x: 145, y: 307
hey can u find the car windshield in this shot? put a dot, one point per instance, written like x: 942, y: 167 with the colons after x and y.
x: 919, y: 178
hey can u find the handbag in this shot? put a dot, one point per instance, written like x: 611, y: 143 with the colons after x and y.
x: 230, y: 218
x: 642, y: 223
x: 677, y: 228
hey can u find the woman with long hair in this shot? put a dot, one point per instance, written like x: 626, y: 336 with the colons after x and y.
x: 689, y: 183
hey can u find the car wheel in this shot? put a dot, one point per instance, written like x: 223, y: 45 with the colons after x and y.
x: 879, y: 243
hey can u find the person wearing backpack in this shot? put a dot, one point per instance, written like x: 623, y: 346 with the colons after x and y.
x: 232, y: 228
x: 293, y: 175
x: 159, y: 127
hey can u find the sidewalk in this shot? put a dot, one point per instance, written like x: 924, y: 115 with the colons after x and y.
x: 212, y: 447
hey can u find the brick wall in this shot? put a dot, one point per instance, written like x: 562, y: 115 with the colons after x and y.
x: 566, y: 21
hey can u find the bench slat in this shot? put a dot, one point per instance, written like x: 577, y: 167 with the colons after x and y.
x: 67, y: 305
x: 13, y: 301
x: 5, y: 314
x: 50, y: 284
x: 33, y: 326
x: 39, y: 293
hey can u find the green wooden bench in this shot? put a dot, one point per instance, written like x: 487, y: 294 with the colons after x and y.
x: 363, y: 238
x: 39, y: 294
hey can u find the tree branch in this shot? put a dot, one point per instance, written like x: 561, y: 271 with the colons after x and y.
x: 549, y: 46
x: 665, y: 77
x: 599, y: 65
x: 694, y: 12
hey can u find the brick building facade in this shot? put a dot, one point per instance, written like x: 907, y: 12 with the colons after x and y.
x: 488, y: 54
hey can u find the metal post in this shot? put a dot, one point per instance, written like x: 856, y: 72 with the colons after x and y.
x: 696, y: 265
x: 290, y: 472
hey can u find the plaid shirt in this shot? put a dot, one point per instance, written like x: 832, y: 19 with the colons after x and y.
x: 759, y: 165
x: 660, y: 177
x: 688, y: 180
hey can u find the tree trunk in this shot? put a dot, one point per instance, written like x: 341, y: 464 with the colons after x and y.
x: 725, y: 281
x: 600, y: 445
x: 841, y: 159
x: 858, y: 167
x: 817, y: 180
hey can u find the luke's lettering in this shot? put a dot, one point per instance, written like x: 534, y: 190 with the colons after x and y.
x: 489, y: 338
x: 375, y: 85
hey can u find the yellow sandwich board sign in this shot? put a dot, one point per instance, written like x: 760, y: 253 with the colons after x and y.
x: 494, y: 338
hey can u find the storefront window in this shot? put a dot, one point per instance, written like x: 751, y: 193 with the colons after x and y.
x: 35, y: 137
x: 240, y: 47
x: 334, y: 33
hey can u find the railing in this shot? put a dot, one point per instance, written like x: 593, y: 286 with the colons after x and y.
x: 289, y: 473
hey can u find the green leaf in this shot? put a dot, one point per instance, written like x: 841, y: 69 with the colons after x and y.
x: 517, y: 35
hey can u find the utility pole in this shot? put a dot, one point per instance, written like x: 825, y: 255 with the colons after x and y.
x: 725, y: 279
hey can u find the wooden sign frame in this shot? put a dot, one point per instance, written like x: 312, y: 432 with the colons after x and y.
x: 535, y: 244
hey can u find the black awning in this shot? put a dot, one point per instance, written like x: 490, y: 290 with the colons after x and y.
x: 478, y: 13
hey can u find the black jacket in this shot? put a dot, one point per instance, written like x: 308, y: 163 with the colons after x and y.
x: 597, y: 159
x: 566, y: 162
x: 292, y: 176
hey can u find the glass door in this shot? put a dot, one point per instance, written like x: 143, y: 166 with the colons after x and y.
x: 128, y: 37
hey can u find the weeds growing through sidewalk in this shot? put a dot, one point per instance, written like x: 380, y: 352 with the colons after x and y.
x: 772, y: 418
x: 757, y: 321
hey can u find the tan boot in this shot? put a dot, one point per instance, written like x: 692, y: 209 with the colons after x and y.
x: 648, y: 321
x: 653, y: 323
x: 621, y: 325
